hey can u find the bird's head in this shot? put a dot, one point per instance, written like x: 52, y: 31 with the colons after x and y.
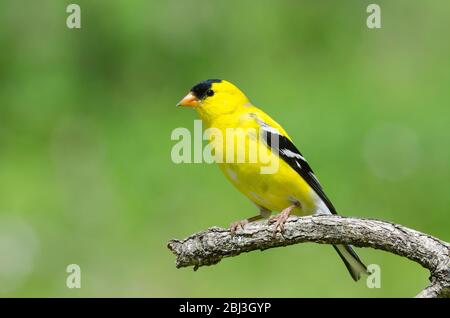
x: 213, y: 98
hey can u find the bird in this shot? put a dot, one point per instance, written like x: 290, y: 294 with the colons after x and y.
x: 291, y: 189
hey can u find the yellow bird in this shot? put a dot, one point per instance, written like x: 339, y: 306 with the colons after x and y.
x: 259, y: 158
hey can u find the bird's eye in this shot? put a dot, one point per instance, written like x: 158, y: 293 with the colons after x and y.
x: 210, y: 92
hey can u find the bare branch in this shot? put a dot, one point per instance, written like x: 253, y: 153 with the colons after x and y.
x: 210, y: 246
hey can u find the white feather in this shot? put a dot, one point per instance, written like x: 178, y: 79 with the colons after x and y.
x: 292, y: 154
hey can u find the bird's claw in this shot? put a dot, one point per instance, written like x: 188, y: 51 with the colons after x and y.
x: 238, y: 224
x: 279, y: 220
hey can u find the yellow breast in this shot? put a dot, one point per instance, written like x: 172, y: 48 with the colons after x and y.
x: 254, y: 170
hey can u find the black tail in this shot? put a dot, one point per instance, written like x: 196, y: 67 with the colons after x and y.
x: 354, y: 265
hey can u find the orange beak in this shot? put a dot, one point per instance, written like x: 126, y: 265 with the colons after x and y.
x: 189, y: 101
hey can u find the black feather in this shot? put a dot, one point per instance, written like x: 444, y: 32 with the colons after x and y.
x: 200, y: 90
x: 352, y: 270
x: 292, y: 156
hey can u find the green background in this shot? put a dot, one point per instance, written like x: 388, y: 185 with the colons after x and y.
x: 86, y: 115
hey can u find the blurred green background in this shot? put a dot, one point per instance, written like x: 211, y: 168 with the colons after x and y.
x: 86, y: 116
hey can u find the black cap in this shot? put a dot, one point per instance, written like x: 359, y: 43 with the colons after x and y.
x: 200, y: 90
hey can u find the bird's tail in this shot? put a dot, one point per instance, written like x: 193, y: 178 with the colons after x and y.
x: 351, y: 260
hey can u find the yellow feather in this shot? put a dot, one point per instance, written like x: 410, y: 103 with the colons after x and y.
x: 229, y: 109
x: 223, y: 107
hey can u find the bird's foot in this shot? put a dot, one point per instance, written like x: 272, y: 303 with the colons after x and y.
x: 238, y: 224
x: 280, y: 219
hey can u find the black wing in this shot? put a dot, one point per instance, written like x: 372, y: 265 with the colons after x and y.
x: 291, y: 155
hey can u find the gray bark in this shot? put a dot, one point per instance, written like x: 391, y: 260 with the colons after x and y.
x: 210, y: 246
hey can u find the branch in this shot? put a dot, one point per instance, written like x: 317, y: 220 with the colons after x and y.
x: 210, y: 246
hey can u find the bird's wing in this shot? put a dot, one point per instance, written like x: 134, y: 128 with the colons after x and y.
x: 286, y: 149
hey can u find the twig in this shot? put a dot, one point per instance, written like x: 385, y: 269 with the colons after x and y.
x: 210, y: 246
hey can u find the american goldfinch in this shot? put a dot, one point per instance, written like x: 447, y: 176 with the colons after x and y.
x: 290, y: 189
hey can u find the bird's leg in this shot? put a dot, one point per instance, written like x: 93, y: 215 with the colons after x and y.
x: 281, y: 218
x: 264, y: 213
